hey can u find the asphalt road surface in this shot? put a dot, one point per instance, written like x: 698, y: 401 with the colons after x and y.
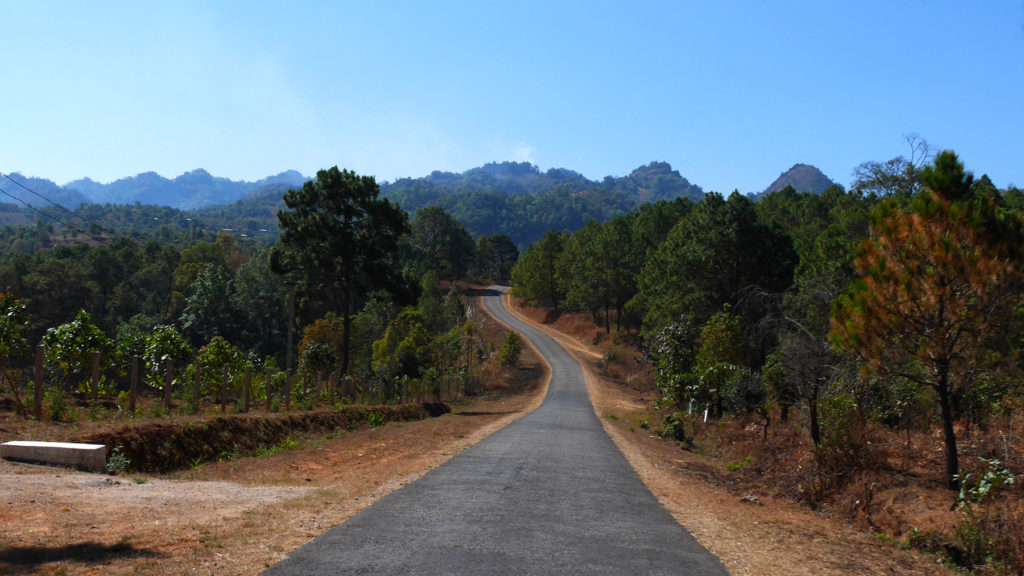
x: 548, y: 494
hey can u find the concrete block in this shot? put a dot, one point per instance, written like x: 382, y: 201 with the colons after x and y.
x: 91, y: 457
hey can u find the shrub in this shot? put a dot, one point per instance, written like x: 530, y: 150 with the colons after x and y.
x: 117, y: 461
x: 56, y: 404
x: 675, y: 428
x: 375, y: 419
x: 511, y: 349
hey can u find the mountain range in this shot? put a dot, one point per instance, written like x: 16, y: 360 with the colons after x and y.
x: 190, y: 191
x: 515, y: 198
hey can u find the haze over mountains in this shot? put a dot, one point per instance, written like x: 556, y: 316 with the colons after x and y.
x: 199, y: 189
x: 515, y: 198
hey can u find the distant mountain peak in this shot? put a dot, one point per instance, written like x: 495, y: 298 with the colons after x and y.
x: 803, y: 178
x: 190, y: 190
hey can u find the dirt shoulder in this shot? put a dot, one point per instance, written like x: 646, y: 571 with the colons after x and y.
x: 751, y: 533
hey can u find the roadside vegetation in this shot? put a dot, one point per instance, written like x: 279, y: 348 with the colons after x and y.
x: 354, y: 315
x: 857, y: 350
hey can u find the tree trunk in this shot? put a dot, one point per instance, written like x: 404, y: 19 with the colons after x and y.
x: 948, y: 434
x: 812, y: 406
x: 346, y: 329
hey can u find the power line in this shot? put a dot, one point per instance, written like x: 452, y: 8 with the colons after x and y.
x: 27, y: 189
x: 50, y: 216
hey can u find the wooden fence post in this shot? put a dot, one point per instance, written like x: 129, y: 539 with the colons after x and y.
x: 197, y: 385
x: 37, y: 398
x: 134, y: 385
x: 266, y: 399
x: 288, y: 391
x: 168, y: 378
x: 223, y: 389
x: 95, y: 375
x: 248, y: 384
x: 319, y: 383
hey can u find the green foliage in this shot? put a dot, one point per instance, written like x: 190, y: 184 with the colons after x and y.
x: 511, y: 349
x: 56, y: 405
x: 441, y: 244
x: 70, y: 348
x: 538, y: 276
x: 14, y: 323
x: 716, y: 251
x: 213, y: 357
x: 375, y: 419
x: 988, y: 486
x: 403, y: 349
x: 718, y: 366
x: 343, y: 240
x: 496, y: 254
x: 518, y: 200
x: 673, y: 350
x: 117, y: 462
x: 209, y: 311
x: 674, y: 428
x: 839, y: 418
x: 737, y: 466
x: 317, y: 357
x: 287, y: 444
x: 937, y: 281
x: 163, y: 343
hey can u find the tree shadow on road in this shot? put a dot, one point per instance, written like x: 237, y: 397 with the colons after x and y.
x: 28, y: 559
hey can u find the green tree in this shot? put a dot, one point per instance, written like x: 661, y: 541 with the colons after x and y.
x: 260, y: 303
x: 70, y: 348
x: 163, y: 343
x: 209, y: 311
x: 14, y: 323
x: 718, y: 365
x: 442, y: 242
x: 718, y: 250
x: 537, y: 276
x: 342, y: 240
x: 511, y: 349
x: 495, y: 256
x: 673, y: 350
x: 403, y: 351
x: 217, y: 354
x: 936, y: 281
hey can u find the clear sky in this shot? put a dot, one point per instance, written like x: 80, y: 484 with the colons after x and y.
x: 730, y: 93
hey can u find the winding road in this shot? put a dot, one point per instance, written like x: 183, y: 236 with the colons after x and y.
x: 548, y: 494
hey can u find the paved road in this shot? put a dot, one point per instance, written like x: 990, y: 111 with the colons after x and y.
x: 548, y: 494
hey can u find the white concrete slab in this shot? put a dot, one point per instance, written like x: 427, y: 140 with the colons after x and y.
x: 91, y: 457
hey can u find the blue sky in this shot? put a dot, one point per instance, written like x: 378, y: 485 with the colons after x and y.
x: 730, y: 93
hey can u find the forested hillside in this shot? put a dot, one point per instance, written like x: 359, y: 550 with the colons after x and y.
x: 513, y: 198
x: 519, y: 200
